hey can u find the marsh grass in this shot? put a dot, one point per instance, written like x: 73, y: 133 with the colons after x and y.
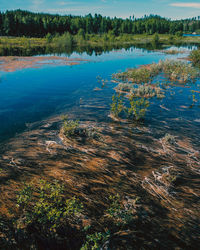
x: 173, y: 70
x: 140, y: 84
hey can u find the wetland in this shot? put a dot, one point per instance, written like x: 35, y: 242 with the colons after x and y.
x: 110, y: 136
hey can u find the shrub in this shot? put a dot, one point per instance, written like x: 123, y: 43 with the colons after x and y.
x: 195, y: 57
x: 138, y: 108
x: 69, y: 127
x: 121, y: 214
x: 96, y: 241
x: 117, y: 105
x: 46, y: 208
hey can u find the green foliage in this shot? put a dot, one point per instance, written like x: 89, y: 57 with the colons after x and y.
x: 179, y: 33
x: 195, y: 57
x: 65, y: 40
x: 46, y: 208
x: 179, y: 71
x: 117, y: 105
x: 96, y: 241
x: 156, y: 39
x: 49, y: 38
x: 121, y: 214
x: 70, y: 127
x: 25, y: 195
x: 138, y: 107
x: 19, y: 23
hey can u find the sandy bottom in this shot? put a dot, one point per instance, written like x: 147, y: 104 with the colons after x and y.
x: 13, y: 63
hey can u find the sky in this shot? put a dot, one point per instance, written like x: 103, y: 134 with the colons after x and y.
x: 174, y: 9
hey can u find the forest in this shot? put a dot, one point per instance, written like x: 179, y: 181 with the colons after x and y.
x: 25, y: 23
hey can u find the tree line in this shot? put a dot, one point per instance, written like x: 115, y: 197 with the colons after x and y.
x: 25, y: 23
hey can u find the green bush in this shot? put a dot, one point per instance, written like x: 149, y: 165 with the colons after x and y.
x: 117, y: 106
x: 96, y: 241
x: 118, y: 212
x: 46, y: 208
x: 138, y: 107
x: 195, y: 57
x: 69, y: 126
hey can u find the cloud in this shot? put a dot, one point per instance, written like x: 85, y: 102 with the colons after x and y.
x: 63, y: 3
x: 186, y: 5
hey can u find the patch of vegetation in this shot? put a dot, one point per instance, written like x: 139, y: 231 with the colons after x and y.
x: 195, y: 57
x: 117, y: 105
x: 178, y: 71
x: 121, y: 214
x: 173, y: 70
x: 96, y: 241
x: 73, y: 128
x: 147, y: 91
x: 46, y: 210
x: 138, y: 108
x: 169, y: 139
x: 172, y: 52
x: 70, y: 127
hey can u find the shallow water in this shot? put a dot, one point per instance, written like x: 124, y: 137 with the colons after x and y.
x: 30, y: 95
x: 131, y: 159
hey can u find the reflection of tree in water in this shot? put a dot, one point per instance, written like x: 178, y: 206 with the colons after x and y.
x: 68, y: 50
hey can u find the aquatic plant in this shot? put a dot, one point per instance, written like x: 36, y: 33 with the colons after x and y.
x: 73, y: 128
x: 70, y: 127
x: 117, y: 105
x: 195, y: 57
x: 45, y: 207
x: 179, y: 71
x: 176, y: 71
x: 147, y: 91
x: 121, y: 214
x: 169, y: 139
x: 96, y: 241
x: 138, y: 107
x: 124, y: 87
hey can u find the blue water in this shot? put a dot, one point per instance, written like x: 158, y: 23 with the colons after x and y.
x: 191, y: 35
x: 31, y: 95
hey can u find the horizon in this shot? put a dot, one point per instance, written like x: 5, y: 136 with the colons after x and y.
x: 112, y: 8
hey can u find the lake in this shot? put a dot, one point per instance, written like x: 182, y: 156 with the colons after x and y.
x: 130, y: 158
x: 30, y: 95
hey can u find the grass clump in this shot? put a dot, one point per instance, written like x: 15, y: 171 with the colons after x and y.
x: 178, y: 71
x: 136, y: 108
x: 173, y: 71
x: 147, y: 91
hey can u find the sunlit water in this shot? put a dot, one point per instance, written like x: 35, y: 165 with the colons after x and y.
x: 125, y: 160
x: 30, y: 95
